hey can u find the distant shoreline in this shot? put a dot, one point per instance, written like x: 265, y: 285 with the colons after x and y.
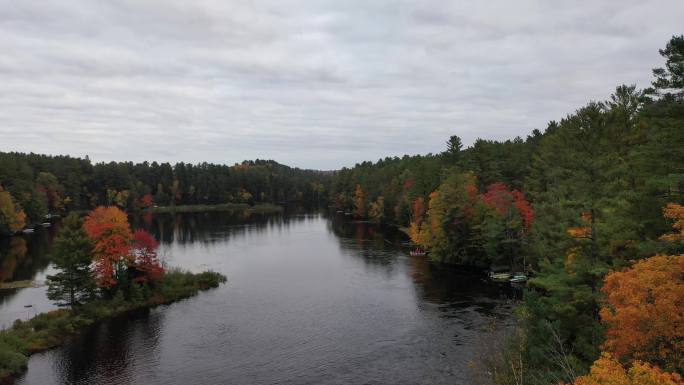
x: 258, y: 208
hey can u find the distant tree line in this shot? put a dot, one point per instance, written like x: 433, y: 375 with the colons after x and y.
x: 33, y: 185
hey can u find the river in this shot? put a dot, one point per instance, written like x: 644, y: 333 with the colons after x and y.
x: 311, y: 298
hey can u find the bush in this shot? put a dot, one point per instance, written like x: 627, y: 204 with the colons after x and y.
x: 11, y: 361
x: 209, y: 279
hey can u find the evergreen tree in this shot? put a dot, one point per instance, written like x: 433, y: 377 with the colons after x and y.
x: 453, y: 151
x: 72, y: 255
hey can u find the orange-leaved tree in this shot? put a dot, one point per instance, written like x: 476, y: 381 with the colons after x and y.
x: 417, y: 213
x: 676, y: 213
x: 644, y: 305
x: 608, y: 371
x: 644, y: 312
x: 110, y: 232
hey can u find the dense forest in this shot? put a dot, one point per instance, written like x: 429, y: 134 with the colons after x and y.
x: 596, y: 192
x: 32, y: 186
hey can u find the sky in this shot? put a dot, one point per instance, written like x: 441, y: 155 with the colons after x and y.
x: 312, y: 84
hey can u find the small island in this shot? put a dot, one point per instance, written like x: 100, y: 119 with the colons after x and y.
x: 105, y: 270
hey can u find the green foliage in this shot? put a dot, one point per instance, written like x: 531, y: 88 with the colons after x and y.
x: 12, y: 362
x: 72, y: 255
x: 41, y: 183
x: 449, y: 230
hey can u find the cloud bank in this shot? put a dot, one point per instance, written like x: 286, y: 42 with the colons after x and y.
x: 315, y: 84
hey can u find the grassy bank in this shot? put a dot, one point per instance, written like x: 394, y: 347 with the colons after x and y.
x: 259, y: 208
x: 48, y: 330
x: 18, y: 284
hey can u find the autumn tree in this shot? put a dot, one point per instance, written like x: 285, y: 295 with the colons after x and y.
x: 146, y: 201
x: 109, y: 230
x: 675, y: 213
x: 507, y: 219
x: 9, y: 260
x: 121, y: 198
x: 376, y: 210
x: 147, y: 265
x: 417, y: 214
x: 12, y: 217
x: 448, y: 228
x: 643, y: 311
x: 72, y: 256
x: 47, y: 183
x: 609, y: 371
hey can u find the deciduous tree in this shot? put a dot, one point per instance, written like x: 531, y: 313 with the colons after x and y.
x: 12, y: 218
x: 608, y: 371
x: 110, y: 232
x: 146, y: 260
x: 643, y: 312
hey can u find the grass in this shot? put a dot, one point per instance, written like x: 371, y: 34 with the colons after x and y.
x: 17, y: 284
x: 259, y: 208
x: 48, y: 330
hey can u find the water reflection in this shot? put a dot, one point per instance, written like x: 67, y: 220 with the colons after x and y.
x: 311, y: 298
x: 212, y: 227
x: 116, y: 343
x: 436, y: 283
x: 21, y: 256
x: 24, y: 257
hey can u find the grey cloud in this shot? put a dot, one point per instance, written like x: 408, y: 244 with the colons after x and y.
x: 319, y: 84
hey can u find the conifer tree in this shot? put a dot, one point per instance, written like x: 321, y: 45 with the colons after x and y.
x: 74, y: 283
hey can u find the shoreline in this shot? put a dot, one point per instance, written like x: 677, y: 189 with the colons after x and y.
x: 49, y: 330
x: 257, y: 208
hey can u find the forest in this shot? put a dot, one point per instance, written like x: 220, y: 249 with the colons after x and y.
x: 591, y: 207
x: 33, y: 186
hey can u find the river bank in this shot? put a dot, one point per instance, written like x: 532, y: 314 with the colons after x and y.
x: 260, y: 208
x: 51, y: 329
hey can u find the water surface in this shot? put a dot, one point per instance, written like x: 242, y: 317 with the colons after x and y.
x: 310, y: 298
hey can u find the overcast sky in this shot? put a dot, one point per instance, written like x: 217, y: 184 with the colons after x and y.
x: 315, y: 84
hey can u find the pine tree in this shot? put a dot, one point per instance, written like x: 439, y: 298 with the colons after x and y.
x: 72, y: 255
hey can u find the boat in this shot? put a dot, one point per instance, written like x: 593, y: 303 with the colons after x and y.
x: 418, y: 253
x: 499, y: 277
x: 46, y: 224
x: 27, y: 230
x: 519, y: 278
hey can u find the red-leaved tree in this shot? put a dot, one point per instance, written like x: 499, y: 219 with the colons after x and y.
x: 110, y: 232
x: 146, y: 260
x: 506, y: 201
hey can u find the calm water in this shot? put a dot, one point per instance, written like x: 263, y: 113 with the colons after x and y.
x: 310, y: 298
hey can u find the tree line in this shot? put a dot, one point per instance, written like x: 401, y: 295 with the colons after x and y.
x: 591, y: 195
x: 34, y: 185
